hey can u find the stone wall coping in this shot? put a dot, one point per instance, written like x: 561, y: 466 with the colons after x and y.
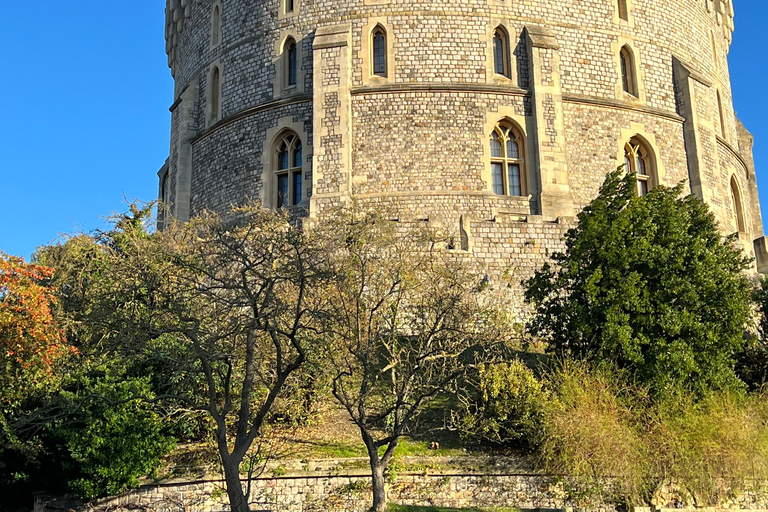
x: 623, y: 105
x: 282, y: 102
x: 435, y: 87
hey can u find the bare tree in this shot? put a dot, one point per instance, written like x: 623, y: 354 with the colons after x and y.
x: 220, y: 310
x: 402, y: 320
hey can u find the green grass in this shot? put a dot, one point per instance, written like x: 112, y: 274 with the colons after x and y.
x: 405, y: 508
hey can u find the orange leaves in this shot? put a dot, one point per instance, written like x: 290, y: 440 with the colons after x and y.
x: 31, y: 342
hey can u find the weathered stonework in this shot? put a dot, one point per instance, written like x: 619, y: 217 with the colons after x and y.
x: 321, y: 486
x: 415, y: 136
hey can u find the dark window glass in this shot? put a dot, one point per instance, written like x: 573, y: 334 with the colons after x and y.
x: 515, y: 188
x: 625, y: 73
x: 497, y: 176
x: 282, y: 158
x: 296, y: 188
x: 498, y: 54
x: 297, y: 155
x: 292, y: 64
x: 379, y: 53
x: 513, y: 151
x: 495, y: 145
x: 642, y: 187
x: 288, y: 5
x: 282, y: 190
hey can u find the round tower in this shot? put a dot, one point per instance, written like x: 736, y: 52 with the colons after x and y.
x: 494, y: 119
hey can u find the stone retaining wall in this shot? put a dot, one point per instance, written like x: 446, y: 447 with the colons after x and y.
x: 352, y: 493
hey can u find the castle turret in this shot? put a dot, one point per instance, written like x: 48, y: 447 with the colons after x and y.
x: 495, y: 119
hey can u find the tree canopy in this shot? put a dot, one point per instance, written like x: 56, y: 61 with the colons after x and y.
x: 647, y: 283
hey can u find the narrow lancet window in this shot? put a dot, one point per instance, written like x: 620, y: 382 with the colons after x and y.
x: 623, y: 11
x: 500, y: 46
x: 628, y: 80
x: 215, y: 95
x: 738, y: 210
x: 292, y: 58
x: 379, y: 52
x: 216, y: 26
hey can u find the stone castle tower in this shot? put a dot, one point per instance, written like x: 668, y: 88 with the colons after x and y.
x: 493, y: 119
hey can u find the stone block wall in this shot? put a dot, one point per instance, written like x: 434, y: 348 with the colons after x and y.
x: 352, y: 493
x: 418, y: 138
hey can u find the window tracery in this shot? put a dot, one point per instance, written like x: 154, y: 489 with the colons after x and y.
x: 638, y: 160
x: 288, y: 173
x: 507, y: 160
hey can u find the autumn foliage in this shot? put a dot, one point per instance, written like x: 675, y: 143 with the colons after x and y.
x: 31, y: 343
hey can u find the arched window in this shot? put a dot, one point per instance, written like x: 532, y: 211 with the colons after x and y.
x: 216, y: 26
x: 501, y: 52
x: 737, y: 206
x: 623, y: 11
x: 288, y: 173
x: 507, y: 160
x: 290, y: 54
x: 722, y: 116
x: 628, y: 79
x: 638, y: 159
x: 214, y: 95
x: 379, y: 50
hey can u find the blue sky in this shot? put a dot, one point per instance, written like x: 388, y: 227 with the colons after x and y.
x: 84, y: 96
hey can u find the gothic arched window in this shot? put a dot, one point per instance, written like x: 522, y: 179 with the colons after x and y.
x: 288, y: 170
x: 738, y: 209
x: 379, y: 50
x: 501, y: 52
x: 507, y: 160
x: 628, y: 77
x: 638, y: 159
x: 291, y: 62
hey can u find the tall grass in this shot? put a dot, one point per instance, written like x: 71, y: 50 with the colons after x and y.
x: 598, y: 429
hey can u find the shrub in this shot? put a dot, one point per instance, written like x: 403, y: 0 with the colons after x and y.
x: 647, y: 284
x: 506, y: 409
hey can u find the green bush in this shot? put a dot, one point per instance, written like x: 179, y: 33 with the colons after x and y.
x: 649, y: 285
x: 506, y: 409
x: 112, y: 439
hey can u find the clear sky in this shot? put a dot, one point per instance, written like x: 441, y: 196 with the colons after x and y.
x: 84, y: 97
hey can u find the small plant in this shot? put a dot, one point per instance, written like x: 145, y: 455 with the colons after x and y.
x: 279, y: 471
x: 506, y: 408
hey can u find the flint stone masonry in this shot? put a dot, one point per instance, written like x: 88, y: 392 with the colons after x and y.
x: 417, y: 139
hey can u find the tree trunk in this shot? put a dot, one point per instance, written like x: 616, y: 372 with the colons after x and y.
x: 237, y: 501
x: 379, y: 487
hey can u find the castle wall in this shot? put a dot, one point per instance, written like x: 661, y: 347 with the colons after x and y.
x: 416, y: 140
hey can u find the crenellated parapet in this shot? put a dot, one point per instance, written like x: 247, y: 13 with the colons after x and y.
x: 723, y: 13
x: 176, y: 13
